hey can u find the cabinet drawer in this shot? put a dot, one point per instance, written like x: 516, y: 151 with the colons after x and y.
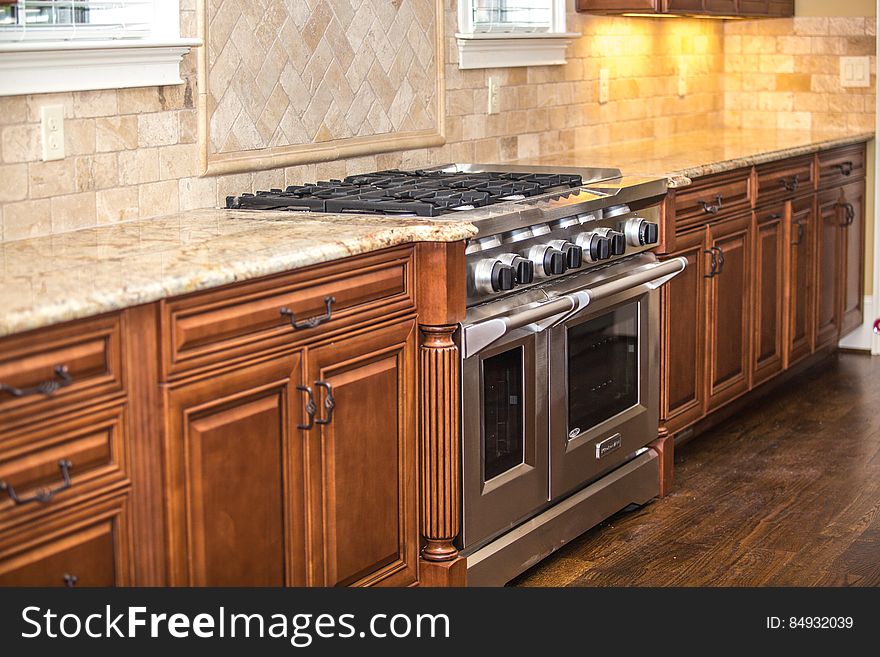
x: 785, y: 179
x: 30, y: 369
x: 841, y: 165
x: 225, y: 325
x: 88, y: 450
x: 85, y: 547
x: 713, y: 198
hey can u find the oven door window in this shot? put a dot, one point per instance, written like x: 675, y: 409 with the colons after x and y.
x: 603, y: 368
x: 503, y: 413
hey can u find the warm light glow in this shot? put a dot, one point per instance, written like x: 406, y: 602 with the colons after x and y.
x: 633, y: 15
x: 722, y: 18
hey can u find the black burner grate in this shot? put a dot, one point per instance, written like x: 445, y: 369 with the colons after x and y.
x: 421, y: 193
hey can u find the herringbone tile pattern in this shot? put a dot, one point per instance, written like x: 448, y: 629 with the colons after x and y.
x: 289, y: 72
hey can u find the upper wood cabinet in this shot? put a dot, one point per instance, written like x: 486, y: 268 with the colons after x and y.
x: 748, y: 8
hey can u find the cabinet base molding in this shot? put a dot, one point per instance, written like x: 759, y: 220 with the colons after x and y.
x: 665, y: 448
x: 443, y: 573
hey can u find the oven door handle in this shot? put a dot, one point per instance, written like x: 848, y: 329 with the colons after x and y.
x: 477, y: 337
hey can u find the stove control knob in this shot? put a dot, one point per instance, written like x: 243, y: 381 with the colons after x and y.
x: 523, y: 270
x: 574, y: 255
x: 595, y: 247
x: 617, y: 239
x: 640, y: 232
x: 547, y: 260
x: 493, y: 276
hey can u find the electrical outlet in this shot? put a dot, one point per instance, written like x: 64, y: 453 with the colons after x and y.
x: 603, y: 85
x: 855, y: 72
x: 682, y: 78
x: 494, y: 96
x: 52, y: 128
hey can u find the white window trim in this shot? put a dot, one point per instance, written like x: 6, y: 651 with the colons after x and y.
x: 31, y: 67
x: 500, y: 50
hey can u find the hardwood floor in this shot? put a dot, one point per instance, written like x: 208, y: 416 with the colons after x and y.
x: 785, y: 494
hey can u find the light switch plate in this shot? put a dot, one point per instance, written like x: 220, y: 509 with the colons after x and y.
x: 52, y: 130
x: 603, y: 85
x: 855, y: 71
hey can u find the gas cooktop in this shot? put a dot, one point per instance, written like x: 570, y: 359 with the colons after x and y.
x: 422, y: 192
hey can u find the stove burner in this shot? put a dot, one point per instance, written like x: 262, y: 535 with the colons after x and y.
x: 422, y: 193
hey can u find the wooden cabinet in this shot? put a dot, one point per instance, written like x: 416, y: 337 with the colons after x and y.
x: 778, y: 286
x: 729, y: 311
x: 829, y: 259
x: 748, y: 8
x: 683, y: 335
x: 361, y: 459
x: 234, y: 474
x: 801, y: 233
x: 769, y: 287
x: 852, y: 211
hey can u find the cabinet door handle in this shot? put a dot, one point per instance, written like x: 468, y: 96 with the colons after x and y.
x: 713, y: 208
x: 70, y: 580
x: 800, y: 233
x: 312, y: 322
x: 47, y: 388
x: 43, y: 495
x: 791, y: 185
x: 713, y: 266
x: 329, y: 402
x: 720, y: 259
x: 850, y: 214
x: 846, y: 168
x: 310, y: 408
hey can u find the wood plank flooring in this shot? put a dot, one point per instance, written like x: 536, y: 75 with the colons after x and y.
x: 785, y: 494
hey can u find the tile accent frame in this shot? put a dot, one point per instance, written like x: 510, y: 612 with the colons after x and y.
x: 310, y: 153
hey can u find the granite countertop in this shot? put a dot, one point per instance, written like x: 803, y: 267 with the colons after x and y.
x: 684, y: 157
x: 54, y: 279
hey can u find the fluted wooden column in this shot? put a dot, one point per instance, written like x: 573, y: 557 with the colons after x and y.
x: 440, y: 468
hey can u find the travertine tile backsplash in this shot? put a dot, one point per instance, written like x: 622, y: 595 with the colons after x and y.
x: 134, y: 153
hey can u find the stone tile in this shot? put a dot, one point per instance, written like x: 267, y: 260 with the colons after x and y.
x: 158, y: 129
x: 157, y: 199
x: 79, y: 137
x: 13, y: 182
x: 178, y: 161
x: 27, y: 219
x: 21, y: 143
x: 117, y: 204
x: 73, y: 211
x: 53, y: 178
x: 138, y: 166
x: 95, y: 103
x: 116, y: 133
x: 197, y: 193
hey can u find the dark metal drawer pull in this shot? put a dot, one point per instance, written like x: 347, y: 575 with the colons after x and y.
x: 713, y: 209
x: 310, y: 408
x: 47, y: 388
x: 846, y: 168
x: 790, y: 185
x: 43, y: 495
x: 850, y: 214
x: 713, y: 265
x: 329, y: 402
x: 70, y: 580
x: 313, y: 321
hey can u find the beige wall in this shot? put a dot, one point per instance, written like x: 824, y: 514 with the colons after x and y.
x: 133, y: 152
x: 835, y: 8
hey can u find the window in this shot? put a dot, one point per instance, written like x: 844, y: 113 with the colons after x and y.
x: 71, y: 45
x: 496, y: 33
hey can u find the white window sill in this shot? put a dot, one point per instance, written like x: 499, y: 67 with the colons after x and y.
x: 487, y: 50
x: 33, y: 67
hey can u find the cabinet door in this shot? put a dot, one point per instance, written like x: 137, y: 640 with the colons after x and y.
x: 676, y: 6
x: 729, y: 316
x: 853, y: 253
x: 234, y: 477
x: 725, y: 7
x: 769, y: 289
x: 801, y: 235
x: 828, y: 265
x: 766, y: 7
x: 362, y: 487
x: 682, y: 351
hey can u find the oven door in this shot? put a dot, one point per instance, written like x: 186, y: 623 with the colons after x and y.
x: 604, y: 402
x: 504, y: 424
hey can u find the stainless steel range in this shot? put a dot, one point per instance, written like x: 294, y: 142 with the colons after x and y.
x: 560, y: 388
